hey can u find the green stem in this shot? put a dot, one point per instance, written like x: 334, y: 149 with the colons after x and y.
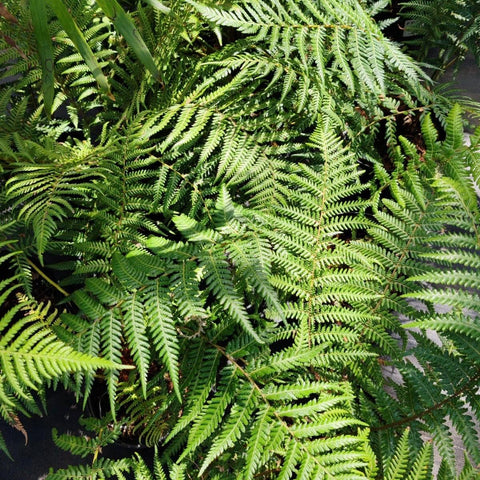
x: 47, y: 278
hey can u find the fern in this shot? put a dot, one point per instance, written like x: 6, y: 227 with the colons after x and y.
x: 459, y: 19
x: 428, y: 379
x: 246, y: 217
x: 31, y: 354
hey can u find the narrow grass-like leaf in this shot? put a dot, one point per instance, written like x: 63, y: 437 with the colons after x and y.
x: 45, y: 50
x: 78, y: 39
x: 127, y: 28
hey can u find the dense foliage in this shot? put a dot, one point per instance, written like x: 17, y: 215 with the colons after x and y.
x: 237, y: 219
x: 446, y: 41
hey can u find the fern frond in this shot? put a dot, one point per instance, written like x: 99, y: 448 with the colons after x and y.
x: 162, y: 326
x: 218, y: 278
x: 35, y: 354
x: 234, y: 427
x: 136, y: 335
x: 111, y: 348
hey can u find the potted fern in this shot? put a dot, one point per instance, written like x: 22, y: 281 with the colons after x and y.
x: 235, y: 216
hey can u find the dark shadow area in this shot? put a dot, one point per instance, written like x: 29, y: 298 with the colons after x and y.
x: 467, y: 79
x: 33, y: 461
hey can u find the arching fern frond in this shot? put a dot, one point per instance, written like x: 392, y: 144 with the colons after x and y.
x: 344, y: 30
x: 31, y: 354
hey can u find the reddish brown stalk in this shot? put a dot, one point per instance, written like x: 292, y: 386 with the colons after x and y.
x: 6, y: 14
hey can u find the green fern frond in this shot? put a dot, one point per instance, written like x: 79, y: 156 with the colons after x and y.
x: 456, y: 322
x: 136, y: 335
x: 53, y: 185
x: 162, y: 325
x: 127, y: 273
x: 219, y: 280
x: 186, y: 291
x: 457, y: 18
x: 35, y: 354
x: 402, y: 466
x: 234, y: 427
x: 104, y: 467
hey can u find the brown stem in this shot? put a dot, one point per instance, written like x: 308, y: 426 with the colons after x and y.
x: 6, y: 14
x: 468, y: 385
